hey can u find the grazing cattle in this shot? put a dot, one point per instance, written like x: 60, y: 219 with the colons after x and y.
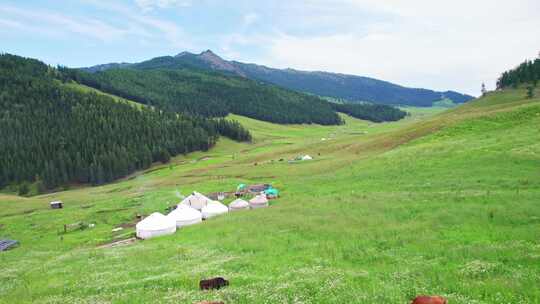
x: 214, y: 283
x: 429, y: 300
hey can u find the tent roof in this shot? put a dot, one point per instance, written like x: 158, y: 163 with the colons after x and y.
x: 271, y: 191
x: 156, y: 221
x: 196, y: 199
x: 184, y: 213
x: 259, y: 199
x: 196, y: 196
x: 215, y: 206
x: 239, y: 203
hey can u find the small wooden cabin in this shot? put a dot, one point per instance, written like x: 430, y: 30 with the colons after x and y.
x: 57, y: 205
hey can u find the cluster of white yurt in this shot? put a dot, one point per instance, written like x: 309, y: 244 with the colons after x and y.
x: 192, y: 210
x: 155, y: 224
x: 238, y: 204
x: 259, y: 201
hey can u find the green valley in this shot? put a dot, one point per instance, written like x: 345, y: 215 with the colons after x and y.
x: 441, y: 202
x: 291, y: 152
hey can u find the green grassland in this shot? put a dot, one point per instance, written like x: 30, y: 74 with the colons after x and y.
x: 439, y: 203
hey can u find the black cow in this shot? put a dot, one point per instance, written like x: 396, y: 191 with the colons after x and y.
x: 214, y: 283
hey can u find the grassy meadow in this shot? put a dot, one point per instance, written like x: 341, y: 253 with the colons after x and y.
x: 442, y: 202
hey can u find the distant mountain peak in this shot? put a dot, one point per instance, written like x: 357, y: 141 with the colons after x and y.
x: 219, y: 63
x: 182, y: 54
x: 209, y: 52
x: 210, y: 56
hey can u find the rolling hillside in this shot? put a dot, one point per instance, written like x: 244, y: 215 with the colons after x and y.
x: 441, y: 203
x: 349, y: 87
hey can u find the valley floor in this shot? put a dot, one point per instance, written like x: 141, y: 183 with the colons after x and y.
x: 445, y: 203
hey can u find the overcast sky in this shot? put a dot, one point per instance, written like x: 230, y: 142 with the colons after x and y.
x: 432, y: 44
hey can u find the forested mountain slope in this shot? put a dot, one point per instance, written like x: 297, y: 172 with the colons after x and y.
x: 209, y: 94
x: 350, y: 87
x: 53, y: 134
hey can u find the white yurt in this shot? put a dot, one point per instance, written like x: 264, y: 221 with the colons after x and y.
x: 307, y: 157
x: 184, y: 215
x: 213, y: 208
x: 259, y: 201
x: 196, y: 200
x: 238, y: 204
x: 155, y: 224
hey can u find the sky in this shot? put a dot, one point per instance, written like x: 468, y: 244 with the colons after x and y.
x: 434, y: 44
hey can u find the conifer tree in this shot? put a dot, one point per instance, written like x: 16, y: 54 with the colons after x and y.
x: 530, y: 92
x: 24, y: 189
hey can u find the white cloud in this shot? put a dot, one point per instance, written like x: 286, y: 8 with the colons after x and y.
x: 148, y: 28
x: 148, y: 5
x: 11, y: 24
x: 137, y: 27
x: 433, y: 44
x: 250, y: 19
x: 174, y: 34
x: 54, y: 24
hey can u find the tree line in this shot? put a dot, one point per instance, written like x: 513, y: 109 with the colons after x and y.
x: 527, y: 72
x: 53, y: 135
x: 371, y: 112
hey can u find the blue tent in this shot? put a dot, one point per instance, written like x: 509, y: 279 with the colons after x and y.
x: 7, y: 244
x: 272, y: 192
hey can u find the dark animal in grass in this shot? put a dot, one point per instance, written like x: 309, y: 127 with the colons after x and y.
x: 214, y: 283
x: 429, y: 300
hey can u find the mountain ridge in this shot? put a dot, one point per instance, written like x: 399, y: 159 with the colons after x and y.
x: 337, y: 85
